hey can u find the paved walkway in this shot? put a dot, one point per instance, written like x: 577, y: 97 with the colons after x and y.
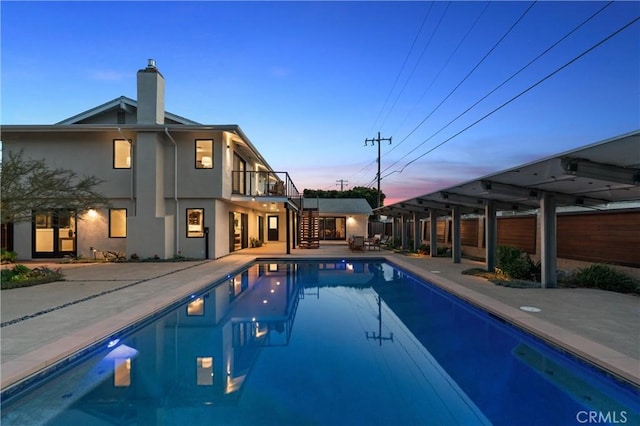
x: 44, y: 324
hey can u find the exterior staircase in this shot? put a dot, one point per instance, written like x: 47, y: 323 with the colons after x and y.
x: 309, y: 232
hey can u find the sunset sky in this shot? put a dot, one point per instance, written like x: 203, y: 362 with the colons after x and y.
x: 463, y: 88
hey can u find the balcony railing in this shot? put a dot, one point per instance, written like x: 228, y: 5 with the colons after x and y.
x: 264, y: 184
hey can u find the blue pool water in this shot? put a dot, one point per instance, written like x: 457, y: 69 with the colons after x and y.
x: 323, y: 343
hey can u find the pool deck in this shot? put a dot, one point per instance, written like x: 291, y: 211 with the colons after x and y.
x: 44, y: 324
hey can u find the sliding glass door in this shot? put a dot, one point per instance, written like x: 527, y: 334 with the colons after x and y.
x: 333, y: 228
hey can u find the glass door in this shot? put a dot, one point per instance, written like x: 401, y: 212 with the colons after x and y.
x: 333, y: 228
x: 54, y: 233
x: 272, y: 228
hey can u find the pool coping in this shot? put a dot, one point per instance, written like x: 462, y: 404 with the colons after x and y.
x: 23, y: 369
x: 616, y: 364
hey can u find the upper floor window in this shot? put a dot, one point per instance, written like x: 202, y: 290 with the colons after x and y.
x: 238, y: 180
x: 121, y: 154
x: 204, y: 153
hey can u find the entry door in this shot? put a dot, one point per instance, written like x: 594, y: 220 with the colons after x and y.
x: 272, y: 228
x: 54, y: 234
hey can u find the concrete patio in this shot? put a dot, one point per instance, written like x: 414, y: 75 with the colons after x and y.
x: 44, y: 324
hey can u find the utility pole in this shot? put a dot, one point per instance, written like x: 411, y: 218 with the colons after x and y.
x: 378, y: 336
x: 341, y: 182
x: 373, y: 141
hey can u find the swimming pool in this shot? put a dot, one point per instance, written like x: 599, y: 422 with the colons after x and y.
x: 343, y: 342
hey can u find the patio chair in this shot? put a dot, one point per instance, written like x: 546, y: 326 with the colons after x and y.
x: 277, y: 189
x: 357, y: 243
x: 373, y: 243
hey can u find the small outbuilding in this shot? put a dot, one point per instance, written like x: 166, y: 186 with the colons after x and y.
x: 339, y: 218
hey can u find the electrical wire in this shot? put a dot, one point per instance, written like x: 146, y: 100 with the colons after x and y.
x: 460, y: 43
x: 472, y: 70
x: 504, y: 82
x: 375, y: 122
x: 595, y: 46
x: 415, y: 66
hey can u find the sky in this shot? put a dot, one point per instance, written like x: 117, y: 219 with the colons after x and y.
x: 462, y: 88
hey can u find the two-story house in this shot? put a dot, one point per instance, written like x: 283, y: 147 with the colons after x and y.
x: 176, y: 187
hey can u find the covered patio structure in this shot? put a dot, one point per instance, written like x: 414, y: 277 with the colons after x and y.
x: 595, y: 176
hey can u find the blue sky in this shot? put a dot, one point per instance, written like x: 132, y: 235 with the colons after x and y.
x: 308, y: 82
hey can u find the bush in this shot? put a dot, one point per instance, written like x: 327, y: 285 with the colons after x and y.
x: 441, y: 251
x: 22, y: 276
x: 516, y: 264
x: 604, y: 277
x: 8, y: 256
x: 255, y: 242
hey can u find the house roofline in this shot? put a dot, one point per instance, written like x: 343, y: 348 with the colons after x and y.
x: 73, y: 128
x: 24, y: 128
x: 116, y: 102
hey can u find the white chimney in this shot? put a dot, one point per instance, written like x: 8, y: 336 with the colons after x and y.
x: 150, y: 95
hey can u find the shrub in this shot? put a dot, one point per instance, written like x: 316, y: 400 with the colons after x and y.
x: 515, y: 263
x: 604, y: 277
x: 22, y: 276
x: 8, y: 256
x: 441, y: 250
x: 255, y: 242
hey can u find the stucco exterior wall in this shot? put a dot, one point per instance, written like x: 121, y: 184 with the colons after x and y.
x: 86, y: 154
x: 357, y: 225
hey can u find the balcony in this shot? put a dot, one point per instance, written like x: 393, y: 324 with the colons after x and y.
x: 264, y: 184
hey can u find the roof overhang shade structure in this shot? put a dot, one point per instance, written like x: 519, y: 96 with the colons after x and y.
x: 593, y: 176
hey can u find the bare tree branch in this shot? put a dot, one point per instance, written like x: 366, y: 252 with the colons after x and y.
x: 29, y: 185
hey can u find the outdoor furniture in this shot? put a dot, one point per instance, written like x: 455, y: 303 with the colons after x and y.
x: 356, y: 243
x: 373, y: 243
x: 277, y: 189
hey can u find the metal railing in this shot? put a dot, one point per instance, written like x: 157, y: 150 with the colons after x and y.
x: 263, y: 184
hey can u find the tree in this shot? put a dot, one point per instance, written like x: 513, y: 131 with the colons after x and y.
x: 30, y: 185
x: 370, y: 194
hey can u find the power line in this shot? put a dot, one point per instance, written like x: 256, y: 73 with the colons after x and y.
x: 464, y: 38
x: 415, y: 66
x: 472, y: 70
x: 601, y: 42
x: 403, y: 65
x: 503, y: 83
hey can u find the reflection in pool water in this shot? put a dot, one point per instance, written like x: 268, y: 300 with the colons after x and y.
x: 323, y: 343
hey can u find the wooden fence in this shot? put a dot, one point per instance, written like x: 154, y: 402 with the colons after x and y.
x: 602, y: 237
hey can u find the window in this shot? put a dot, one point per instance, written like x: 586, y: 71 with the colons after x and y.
x: 117, y: 223
x: 239, y: 179
x: 204, y: 154
x: 122, y: 372
x: 196, y: 307
x: 121, y: 154
x: 195, y: 223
